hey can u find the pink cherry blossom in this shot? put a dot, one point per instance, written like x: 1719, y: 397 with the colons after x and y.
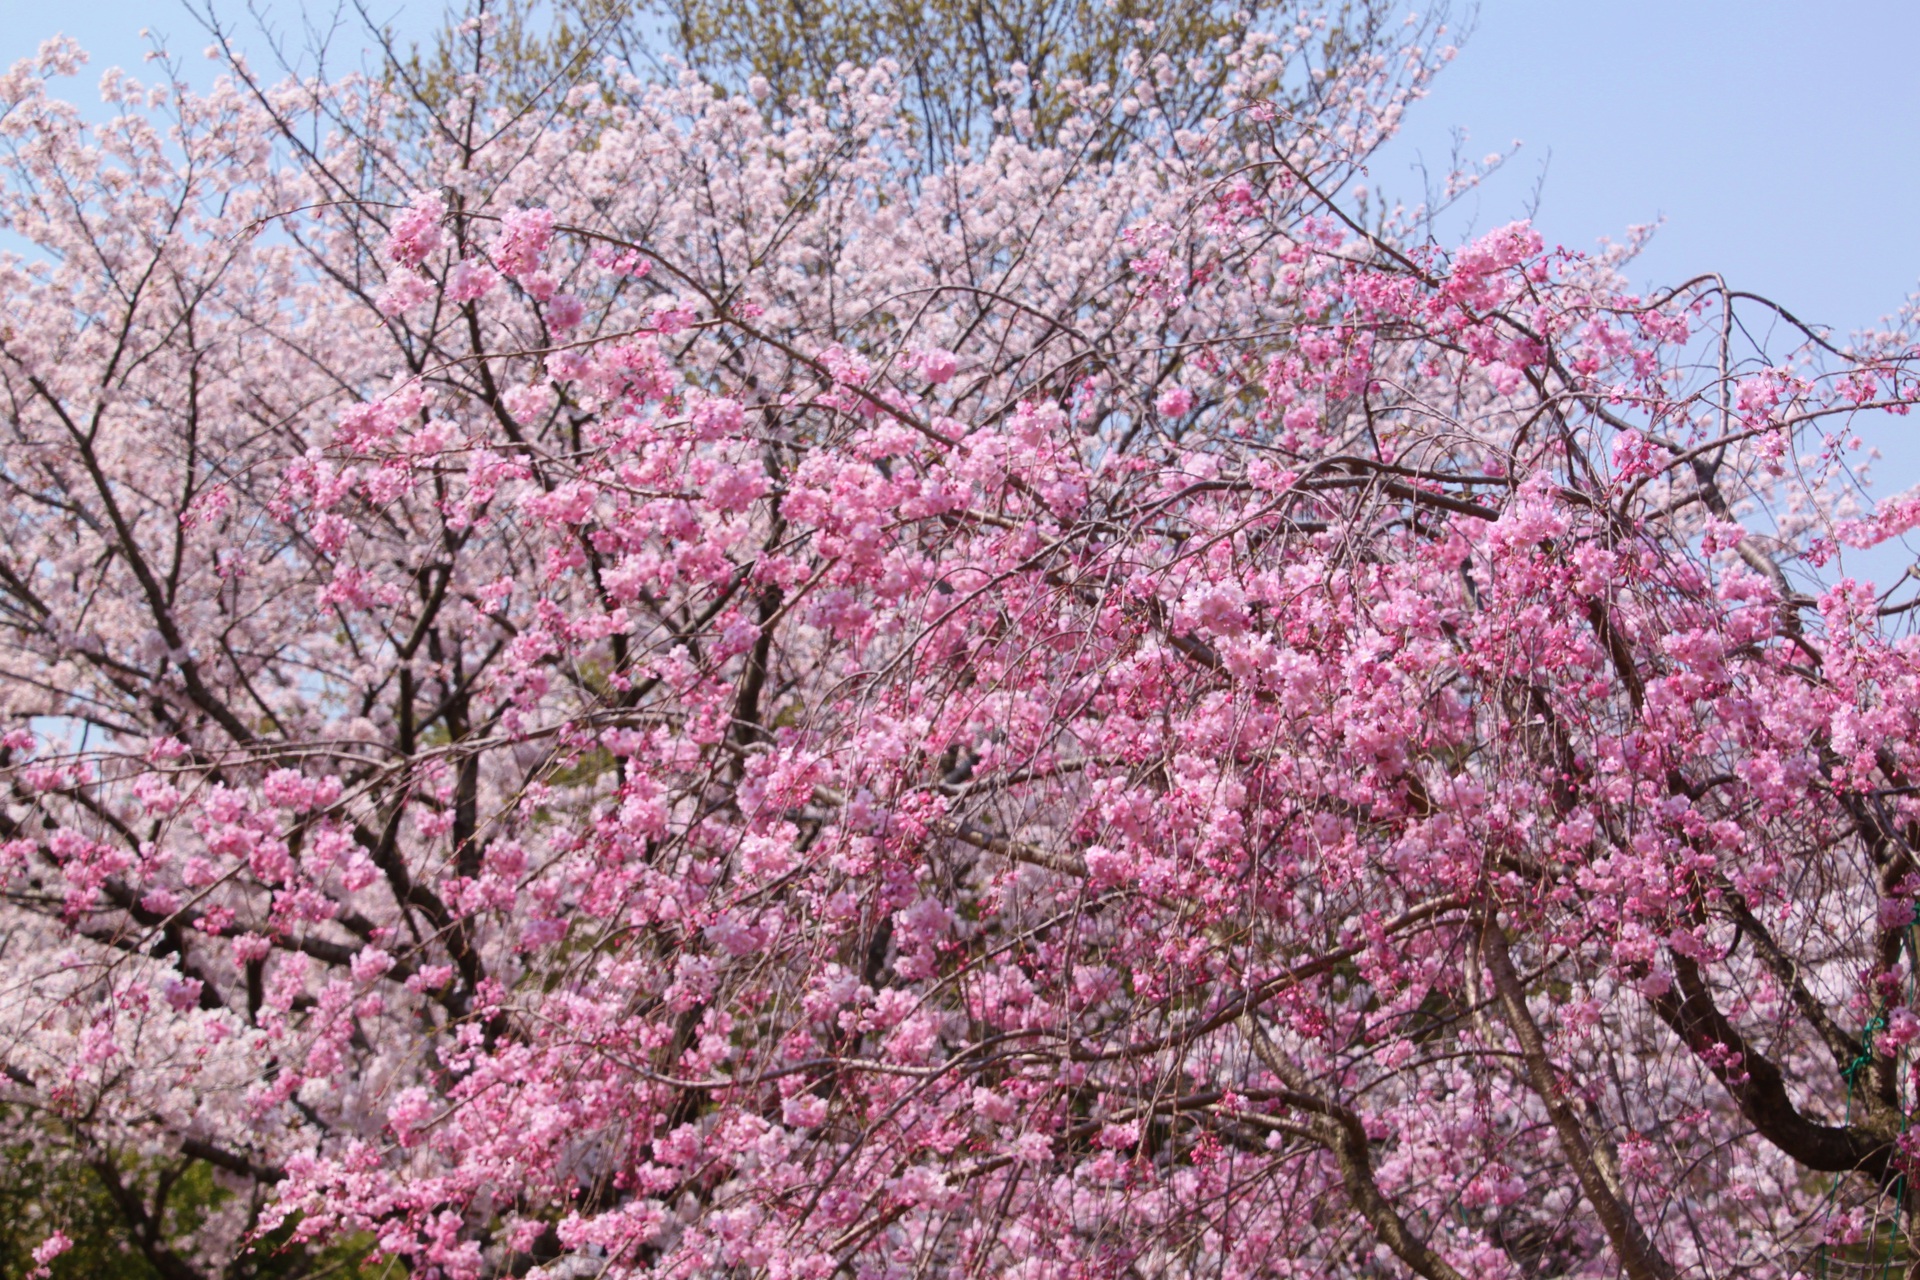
x: 549, y: 731
x: 1174, y: 402
x: 417, y: 234
x: 56, y: 1244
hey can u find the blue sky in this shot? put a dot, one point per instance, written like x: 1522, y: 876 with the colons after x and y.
x: 1779, y: 140
x: 111, y: 30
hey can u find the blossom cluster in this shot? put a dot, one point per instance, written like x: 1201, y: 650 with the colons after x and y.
x: 658, y: 696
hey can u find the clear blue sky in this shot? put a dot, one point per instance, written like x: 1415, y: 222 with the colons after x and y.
x: 110, y: 29
x: 1779, y: 140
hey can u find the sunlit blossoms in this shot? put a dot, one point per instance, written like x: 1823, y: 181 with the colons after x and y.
x: 638, y: 688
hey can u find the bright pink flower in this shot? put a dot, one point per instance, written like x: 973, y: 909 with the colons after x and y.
x: 416, y: 233
x: 524, y: 236
x: 469, y: 281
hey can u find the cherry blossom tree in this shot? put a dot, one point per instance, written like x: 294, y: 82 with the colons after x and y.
x: 636, y: 685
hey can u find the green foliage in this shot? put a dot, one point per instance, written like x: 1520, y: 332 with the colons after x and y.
x: 44, y: 1188
x: 41, y: 1193
x: 523, y: 52
x: 954, y: 56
